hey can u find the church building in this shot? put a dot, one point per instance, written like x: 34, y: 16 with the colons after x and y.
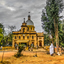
x: 27, y: 35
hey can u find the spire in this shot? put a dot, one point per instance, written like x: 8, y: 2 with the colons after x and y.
x: 24, y: 20
x: 29, y: 16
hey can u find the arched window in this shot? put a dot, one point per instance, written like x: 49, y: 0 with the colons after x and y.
x: 27, y: 37
x: 19, y: 37
x: 31, y: 28
x: 23, y: 37
x: 23, y: 30
x: 28, y: 29
x: 15, y: 37
x: 32, y: 37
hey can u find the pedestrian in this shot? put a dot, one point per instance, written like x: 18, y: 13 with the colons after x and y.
x: 29, y: 48
x: 51, y: 49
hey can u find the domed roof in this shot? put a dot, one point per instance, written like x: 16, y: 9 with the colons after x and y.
x: 29, y: 22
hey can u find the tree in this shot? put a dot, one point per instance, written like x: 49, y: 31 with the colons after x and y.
x: 1, y: 36
x: 63, y: 25
x: 47, y: 39
x: 53, y: 9
x: 20, y: 48
x: 10, y: 35
x: 47, y: 25
x: 2, y: 26
x: 11, y: 28
x: 61, y: 34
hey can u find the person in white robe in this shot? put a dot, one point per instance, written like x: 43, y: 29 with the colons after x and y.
x: 51, y: 49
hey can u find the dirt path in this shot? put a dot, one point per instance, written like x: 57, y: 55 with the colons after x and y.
x: 28, y: 58
x: 7, y: 54
x: 42, y: 58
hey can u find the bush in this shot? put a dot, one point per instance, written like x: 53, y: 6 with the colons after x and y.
x: 20, y: 48
x: 62, y: 44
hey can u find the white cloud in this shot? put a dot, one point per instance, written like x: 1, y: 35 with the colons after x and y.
x: 3, y: 4
x: 10, y: 8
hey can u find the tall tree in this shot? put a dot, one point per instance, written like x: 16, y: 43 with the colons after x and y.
x: 63, y: 25
x: 47, y: 25
x: 53, y: 9
x: 1, y: 33
x: 1, y: 36
x: 2, y: 26
x: 9, y: 38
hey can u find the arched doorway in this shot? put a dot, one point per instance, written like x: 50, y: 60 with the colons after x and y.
x: 40, y: 43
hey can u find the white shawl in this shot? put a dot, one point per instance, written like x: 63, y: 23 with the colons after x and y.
x: 51, y: 49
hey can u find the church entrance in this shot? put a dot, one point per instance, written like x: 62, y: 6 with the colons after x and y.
x: 40, y: 43
x: 15, y: 45
x: 24, y: 44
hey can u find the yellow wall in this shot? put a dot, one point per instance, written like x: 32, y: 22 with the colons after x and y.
x: 29, y: 33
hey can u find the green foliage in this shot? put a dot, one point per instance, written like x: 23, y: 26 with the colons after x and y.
x: 51, y: 12
x: 62, y: 44
x: 1, y: 36
x: 2, y: 27
x: 1, y: 30
x: 1, y: 33
x: 61, y: 37
x: 63, y: 25
x: 10, y: 35
x: 53, y: 8
x: 47, y: 40
x: 20, y: 48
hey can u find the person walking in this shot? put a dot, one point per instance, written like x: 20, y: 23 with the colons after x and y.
x: 51, y: 49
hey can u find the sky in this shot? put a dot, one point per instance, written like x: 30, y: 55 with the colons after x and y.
x: 12, y: 12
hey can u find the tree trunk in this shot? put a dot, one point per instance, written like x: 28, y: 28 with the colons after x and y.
x: 52, y: 37
x: 53, y: 40
x: 56, y: 34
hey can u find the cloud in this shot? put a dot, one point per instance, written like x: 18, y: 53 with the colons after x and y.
x: 3, y: 4
x: 12, y: 12
x: 10, y: 8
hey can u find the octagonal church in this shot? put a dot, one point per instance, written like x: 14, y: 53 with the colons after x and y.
x: 27, y: 35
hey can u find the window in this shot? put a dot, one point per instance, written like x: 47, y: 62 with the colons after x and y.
x: 23, y: 30
x: 15, y: 37
x: 27, y: 37
x: 31, y: 28
x: 23, y: 37
x: 19, y: 37
x: 32, y: 37
x: 19, y: 43
x: 28, y: 29
x: 40, y: 38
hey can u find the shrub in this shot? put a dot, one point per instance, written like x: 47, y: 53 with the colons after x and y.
x: 62, y: 44
x: 20, y: 48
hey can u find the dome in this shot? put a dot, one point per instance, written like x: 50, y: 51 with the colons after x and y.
x: 29, y: 22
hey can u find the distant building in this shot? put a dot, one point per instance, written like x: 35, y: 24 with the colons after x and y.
x: 27, y: 35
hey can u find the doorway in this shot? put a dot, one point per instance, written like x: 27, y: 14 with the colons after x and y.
x: 40, y: 43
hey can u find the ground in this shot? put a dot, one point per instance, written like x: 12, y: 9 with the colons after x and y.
x: 29, y: 57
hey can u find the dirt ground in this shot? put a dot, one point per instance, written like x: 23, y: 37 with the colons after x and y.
x: 28, y: 58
